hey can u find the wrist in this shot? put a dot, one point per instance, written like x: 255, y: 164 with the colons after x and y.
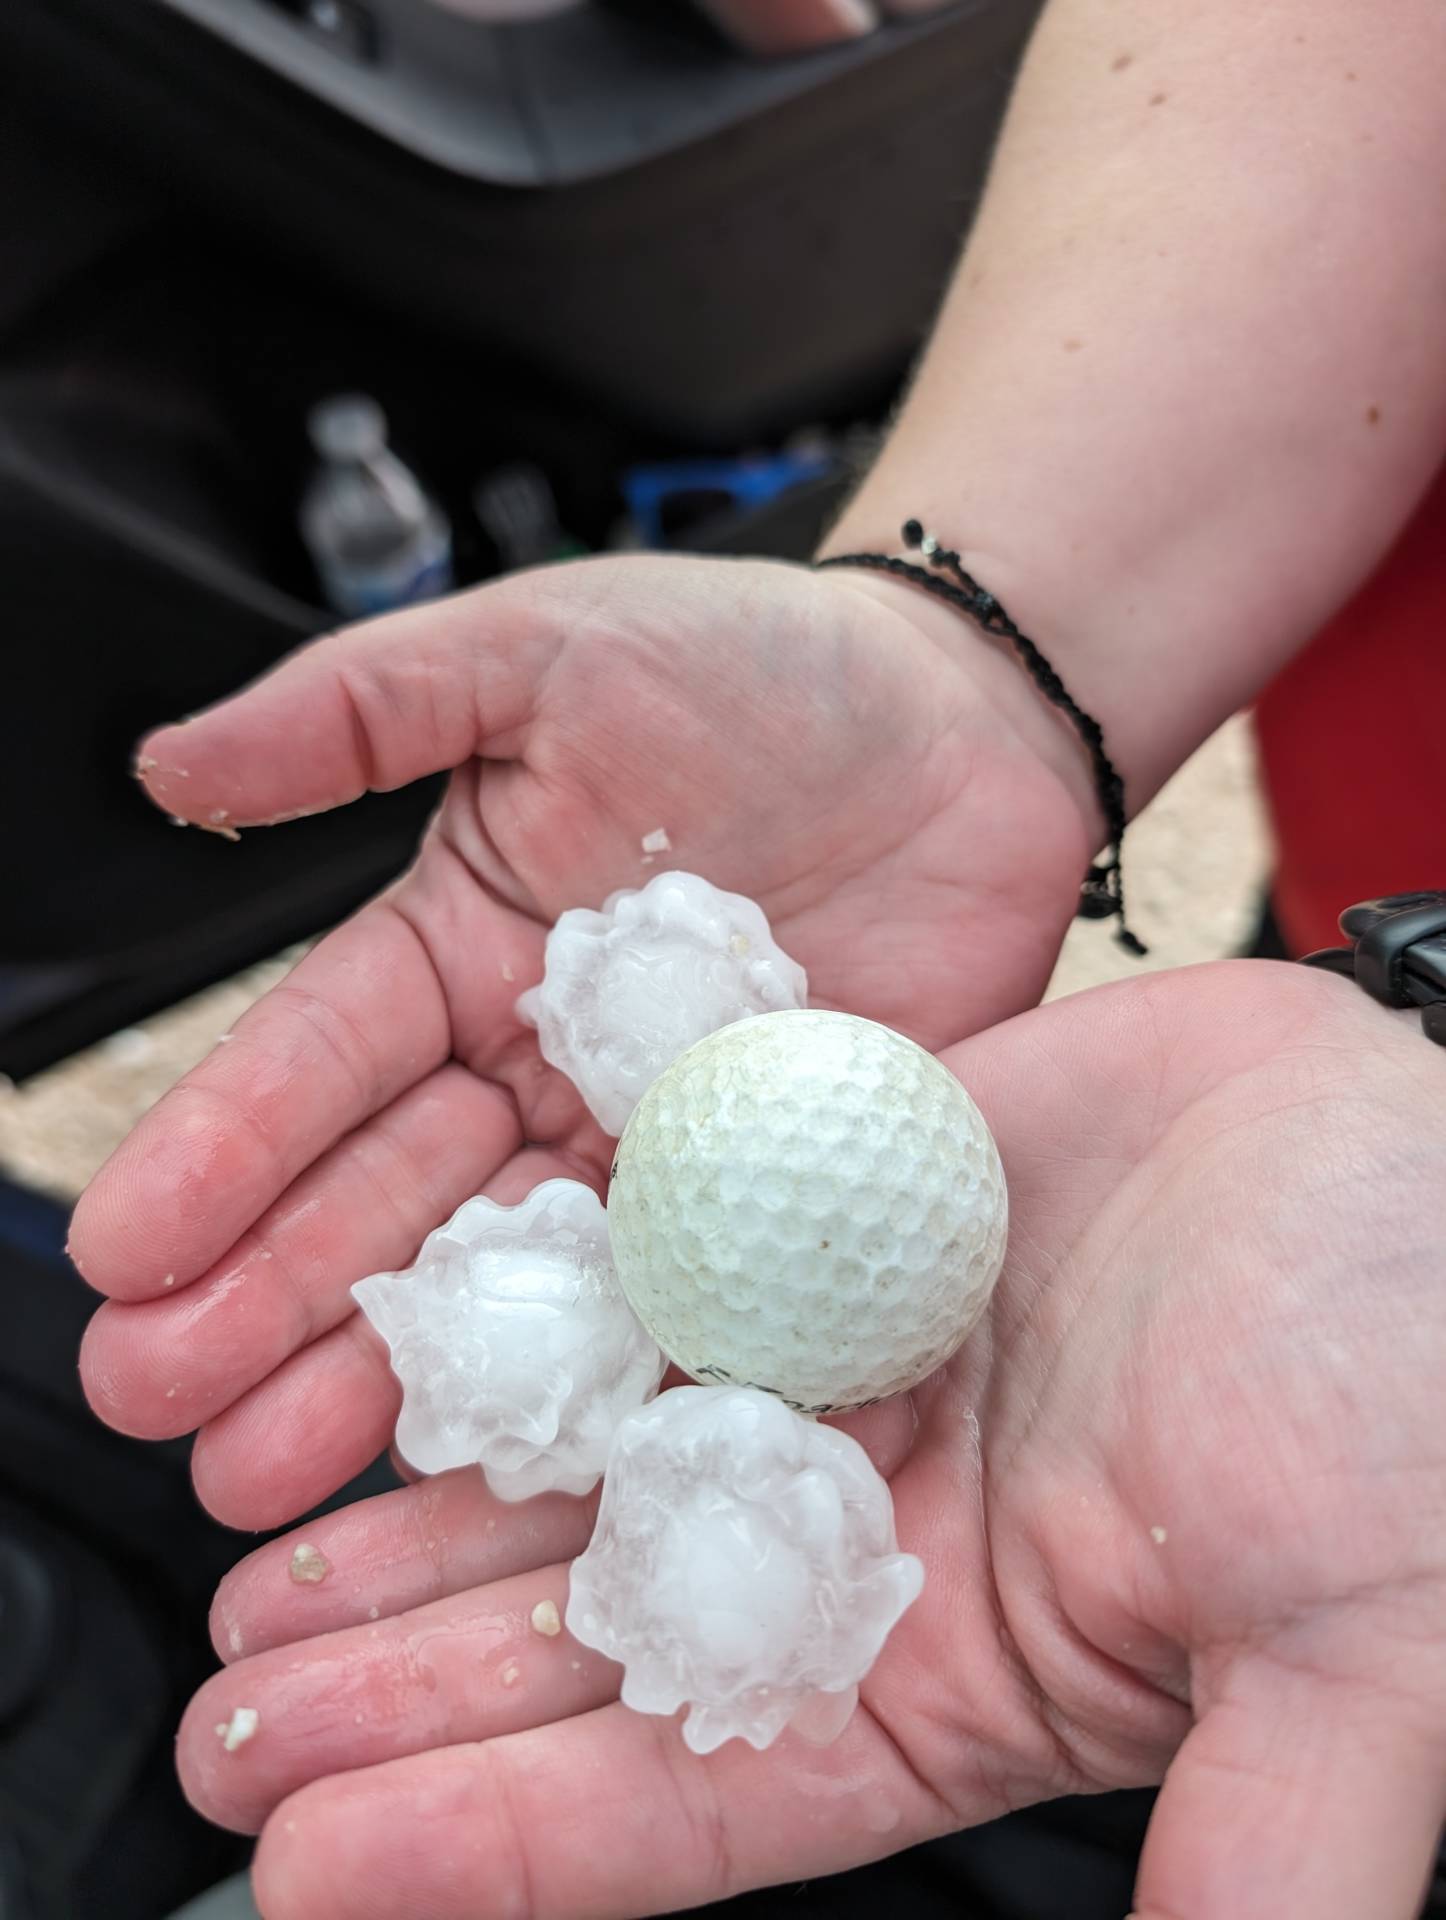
x: 1110, y: 619
x: 986, y: 674
x: 988, y: 665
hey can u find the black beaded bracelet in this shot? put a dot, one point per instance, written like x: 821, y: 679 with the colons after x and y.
x: 1102, y: 891
x: 1397, y: 954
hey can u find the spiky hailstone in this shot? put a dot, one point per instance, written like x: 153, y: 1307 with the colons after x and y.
x: 744, y: 1564
x: 513, y: 1343
x: 625, y: 991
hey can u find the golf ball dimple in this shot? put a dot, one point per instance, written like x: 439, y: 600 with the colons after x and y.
x: 810, y: 1204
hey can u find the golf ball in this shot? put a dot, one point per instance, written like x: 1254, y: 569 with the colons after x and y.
x: 808, y: 1203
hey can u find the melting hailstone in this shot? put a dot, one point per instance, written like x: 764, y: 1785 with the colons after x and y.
x: 625, y: 991
x: 744, y: 1564
x: 513, y: 1342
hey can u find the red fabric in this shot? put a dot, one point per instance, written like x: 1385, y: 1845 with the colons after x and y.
x: 1353, y: 743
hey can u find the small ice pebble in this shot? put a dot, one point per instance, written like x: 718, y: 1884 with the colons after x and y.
x: 744, y: 1565
x: 515, y: 1347
x: 309, y: 1565
x: 546, y: 1619
x: 625, y: 991
x: 236, y: 1731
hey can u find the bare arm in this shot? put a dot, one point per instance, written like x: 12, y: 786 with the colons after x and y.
x: 1191, y: 377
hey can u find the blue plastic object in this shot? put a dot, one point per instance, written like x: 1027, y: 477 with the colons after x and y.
x: 748, y: 481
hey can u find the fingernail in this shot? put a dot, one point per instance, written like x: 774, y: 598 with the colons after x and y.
x: 216, y: 822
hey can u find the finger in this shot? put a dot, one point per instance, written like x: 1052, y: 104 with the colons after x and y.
x: 157, y: 1368
x: 307, y: 1064
x: 327, y: 1412
x: 791, y: 26
x: 388, y: 1555
x: 421, y: 1543
x: 1296, y: 1796
x: 482, y: 1663
x: 322, y: 1417
x: 602, y: 1817
x: 372, y: 707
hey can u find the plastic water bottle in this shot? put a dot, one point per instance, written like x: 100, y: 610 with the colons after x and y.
x: 376, y: 539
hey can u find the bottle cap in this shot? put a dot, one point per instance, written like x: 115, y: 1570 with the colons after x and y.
x: 347, y: 426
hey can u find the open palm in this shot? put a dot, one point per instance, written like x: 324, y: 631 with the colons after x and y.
x: 888, y: 786
x: 1187, y: 1484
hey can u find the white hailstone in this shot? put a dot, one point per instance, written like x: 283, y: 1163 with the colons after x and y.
x: 744, y: 1564
x: 625, y: 991
x: 241, y: 1727
x: 513, y: 1343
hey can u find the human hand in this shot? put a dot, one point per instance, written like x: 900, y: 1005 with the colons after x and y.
x: 893, y: 791
x: 1181, y: 1500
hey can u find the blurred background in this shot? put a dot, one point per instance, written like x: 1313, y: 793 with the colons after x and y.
x: 316, y: 306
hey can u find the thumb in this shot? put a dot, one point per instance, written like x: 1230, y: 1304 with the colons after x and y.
x: 372, y: 707
x: 1297, y: 1797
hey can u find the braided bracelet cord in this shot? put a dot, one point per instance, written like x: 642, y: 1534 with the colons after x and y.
x: 1102, y: 891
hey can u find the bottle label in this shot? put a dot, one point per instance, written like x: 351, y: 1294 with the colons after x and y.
x: 403, y: 582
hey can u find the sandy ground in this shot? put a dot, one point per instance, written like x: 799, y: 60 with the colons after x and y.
x: 1195, y: 862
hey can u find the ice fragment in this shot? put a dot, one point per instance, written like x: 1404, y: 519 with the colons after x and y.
x: 309, y: 1565
x: 625, y: 991
x: 513, y: 1343
x: 744, y: 1564
x: 236, y: 1731
x: 546, y: 1619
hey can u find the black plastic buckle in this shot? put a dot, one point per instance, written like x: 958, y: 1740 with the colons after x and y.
x: 1399, y: 955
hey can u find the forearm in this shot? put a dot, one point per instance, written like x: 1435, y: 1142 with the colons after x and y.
x: 1191, y: 377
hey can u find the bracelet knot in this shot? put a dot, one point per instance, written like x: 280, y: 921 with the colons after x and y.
x: 1102, y: 891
